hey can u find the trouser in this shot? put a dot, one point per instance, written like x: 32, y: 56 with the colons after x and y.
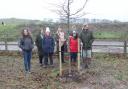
x: 73, y: 56
x: 46, y: 56
x: 27, y: 60
x: 62, y: 53
x: 87, y: 56
x: 41, y: 58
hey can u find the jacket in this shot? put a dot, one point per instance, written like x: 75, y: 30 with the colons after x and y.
x: 48, y: 44
x: 26, y: 43
x: 38, y: 42
x: 73, y: 44
x: 87, y: 38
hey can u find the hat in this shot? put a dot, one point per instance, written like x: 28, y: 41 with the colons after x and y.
x: 47, y: 29
x: 74, y: 31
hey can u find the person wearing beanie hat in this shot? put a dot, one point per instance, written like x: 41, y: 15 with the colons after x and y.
x: 48, y: 47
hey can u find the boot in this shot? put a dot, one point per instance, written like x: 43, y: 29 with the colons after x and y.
x: 86, y: 63
x: 86, y: 66
x: 89, y: 61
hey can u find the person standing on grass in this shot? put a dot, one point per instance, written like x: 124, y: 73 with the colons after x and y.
x: 48, y: 47
x: 26, y: 44
x: 38, y: 42
x: 61, y: 38
x: 87, y: 38
x: 73, y: 45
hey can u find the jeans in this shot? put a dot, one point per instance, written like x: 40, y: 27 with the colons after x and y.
x: 27, y: 60
x: 46, y: 56
x: 73, y: 56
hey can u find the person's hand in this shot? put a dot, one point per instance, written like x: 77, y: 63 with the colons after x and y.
x: 81, y: 44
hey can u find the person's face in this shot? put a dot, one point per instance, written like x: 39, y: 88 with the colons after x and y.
x: 25, y: 32
x: 74, y: 27
x: 86, y: 27
x: 47, y: 33
x: 42, y: 31
x: 60, y: 29
x: 74, y: 34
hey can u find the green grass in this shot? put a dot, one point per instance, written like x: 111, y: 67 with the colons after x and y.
x: 9, y: 32
x: 12, y: 32
x: 108, y: 35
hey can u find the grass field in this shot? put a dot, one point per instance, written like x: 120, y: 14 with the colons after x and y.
x: 9, y: 32
x: 12, y: 32
x: 107, y: 71
x: 108, y: 35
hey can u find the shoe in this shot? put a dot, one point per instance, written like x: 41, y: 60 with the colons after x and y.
x: 29, y: 72
x: 86, y: 66
x: 44, y: 66
x: 41, y: 65
x: 52, y: 66
x: 63, y: 62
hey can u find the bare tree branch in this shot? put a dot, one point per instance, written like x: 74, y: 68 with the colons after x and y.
x: 80, y: 9
x: 80, y: 15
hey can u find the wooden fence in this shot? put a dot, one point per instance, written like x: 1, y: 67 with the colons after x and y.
x: 123, y: 45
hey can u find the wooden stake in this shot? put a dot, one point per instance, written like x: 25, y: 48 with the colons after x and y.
x: 60, y: 59
x: 69, y: 59
x: 78, y: 59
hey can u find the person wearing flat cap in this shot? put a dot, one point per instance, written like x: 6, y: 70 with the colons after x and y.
x: 87, y: 38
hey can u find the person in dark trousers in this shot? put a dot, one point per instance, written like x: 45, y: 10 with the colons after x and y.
x: 26, y: 44
x: 38, y: 42
x: 87, y: 38
x: 73, y: 45
x: 61, y: 37
x: 48, y: 47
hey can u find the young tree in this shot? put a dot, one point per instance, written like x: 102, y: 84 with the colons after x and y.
x: 68, y: 9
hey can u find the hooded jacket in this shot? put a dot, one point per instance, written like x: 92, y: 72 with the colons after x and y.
x: 87, y: 38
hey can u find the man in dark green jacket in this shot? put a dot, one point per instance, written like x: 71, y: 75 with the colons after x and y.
x: 39, y: 40
x: 87, y: 38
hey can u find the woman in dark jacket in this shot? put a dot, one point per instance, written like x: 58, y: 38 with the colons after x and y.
x: 48, y: 47
x: 26, y: 44
x: 39, y: 40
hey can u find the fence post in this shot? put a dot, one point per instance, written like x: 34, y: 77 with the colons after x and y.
x: 6, y: 45
x: 125, y: 48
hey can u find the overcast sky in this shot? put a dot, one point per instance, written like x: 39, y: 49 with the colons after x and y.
x: 40, y: 9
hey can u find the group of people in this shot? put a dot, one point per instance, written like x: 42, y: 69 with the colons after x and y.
x: 45, y: 43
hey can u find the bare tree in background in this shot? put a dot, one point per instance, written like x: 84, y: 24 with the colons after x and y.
x: 65, y: 10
